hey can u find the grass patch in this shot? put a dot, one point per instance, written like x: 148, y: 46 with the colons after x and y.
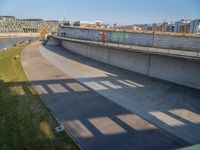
x: 25, y: 122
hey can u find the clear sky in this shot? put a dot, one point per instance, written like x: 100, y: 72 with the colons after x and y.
x: 109, y: 11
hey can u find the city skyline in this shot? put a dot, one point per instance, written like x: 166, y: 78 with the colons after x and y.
x: 126, y: 12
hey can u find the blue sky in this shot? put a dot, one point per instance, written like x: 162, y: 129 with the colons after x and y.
x: 110, y: 11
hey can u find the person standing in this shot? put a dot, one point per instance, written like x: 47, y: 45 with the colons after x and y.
x: 103, y: 37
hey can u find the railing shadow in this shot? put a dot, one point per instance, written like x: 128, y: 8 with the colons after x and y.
x: 94, y: 121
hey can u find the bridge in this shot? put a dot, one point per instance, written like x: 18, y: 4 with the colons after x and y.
x: 117, y: 95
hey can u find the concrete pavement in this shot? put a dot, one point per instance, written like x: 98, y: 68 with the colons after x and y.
x: 104, y: 107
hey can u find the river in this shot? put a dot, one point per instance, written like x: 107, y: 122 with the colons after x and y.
x: 9, y: 42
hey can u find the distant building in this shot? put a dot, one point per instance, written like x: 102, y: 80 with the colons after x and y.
x: 195, y: 26
x: 105, y: 26
x: 156, y: 27
x: 150, y: 27
x: 76, y: 23
x: 164, y: 26
x: 133, y: 27
x: 98, y: 23
x: 177, y: 26
x: 182, y: 26
x: 51, y: 25
x: 65, y: 23
x: 84, y: 24
x: 170, y: 27
x: 116, y: 26
x: 94, y: 24
x: 11, y: 24
x: 144, y: 27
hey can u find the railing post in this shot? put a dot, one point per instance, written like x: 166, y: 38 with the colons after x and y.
x: 87, y: 37
x: 124, y: 36
x: 153, y: 39
x: 118, y: 41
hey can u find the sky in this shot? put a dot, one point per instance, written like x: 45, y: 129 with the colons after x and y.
x: 109, y: 11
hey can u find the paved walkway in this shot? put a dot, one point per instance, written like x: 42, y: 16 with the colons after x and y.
x: 104, y: 107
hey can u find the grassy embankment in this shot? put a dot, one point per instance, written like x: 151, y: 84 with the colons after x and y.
x: 25, y: 122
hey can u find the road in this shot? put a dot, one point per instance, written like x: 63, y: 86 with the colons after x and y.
x: 105, y: 107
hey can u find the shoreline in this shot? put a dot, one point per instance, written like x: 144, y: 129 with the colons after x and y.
x: 9, y: 42
x: 18, y: 35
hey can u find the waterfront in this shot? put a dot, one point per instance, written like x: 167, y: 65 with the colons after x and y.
x: 9, y: 42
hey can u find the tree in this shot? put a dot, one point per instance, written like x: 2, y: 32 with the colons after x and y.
x: 43, y: 32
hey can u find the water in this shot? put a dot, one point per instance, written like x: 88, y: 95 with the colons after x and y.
x: 9, y: 42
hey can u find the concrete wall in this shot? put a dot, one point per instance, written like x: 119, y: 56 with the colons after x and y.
x: 53, y: 41
x: 141, y: 39
x: 133, y: 61
x: 97, y: 53
x: 177, y: 70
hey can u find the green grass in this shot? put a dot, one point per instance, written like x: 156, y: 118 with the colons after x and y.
x: 25, y: 122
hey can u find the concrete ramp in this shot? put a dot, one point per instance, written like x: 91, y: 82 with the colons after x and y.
x: 166, y: 104
x: 105, y: 107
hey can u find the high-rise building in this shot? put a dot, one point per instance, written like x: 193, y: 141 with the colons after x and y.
x: 164, y: 26
x: 182, y: 26
x: 195, y: 26
x: 170, y: 27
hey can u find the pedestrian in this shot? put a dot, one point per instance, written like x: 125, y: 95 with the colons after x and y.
x: 103, y: 37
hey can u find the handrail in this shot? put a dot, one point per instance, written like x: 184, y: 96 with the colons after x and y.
x: 163, y: 51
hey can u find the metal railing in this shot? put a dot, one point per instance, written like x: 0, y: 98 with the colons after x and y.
x: 136, y: 44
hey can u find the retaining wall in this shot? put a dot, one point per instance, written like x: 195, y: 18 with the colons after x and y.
x: 179, y: 70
